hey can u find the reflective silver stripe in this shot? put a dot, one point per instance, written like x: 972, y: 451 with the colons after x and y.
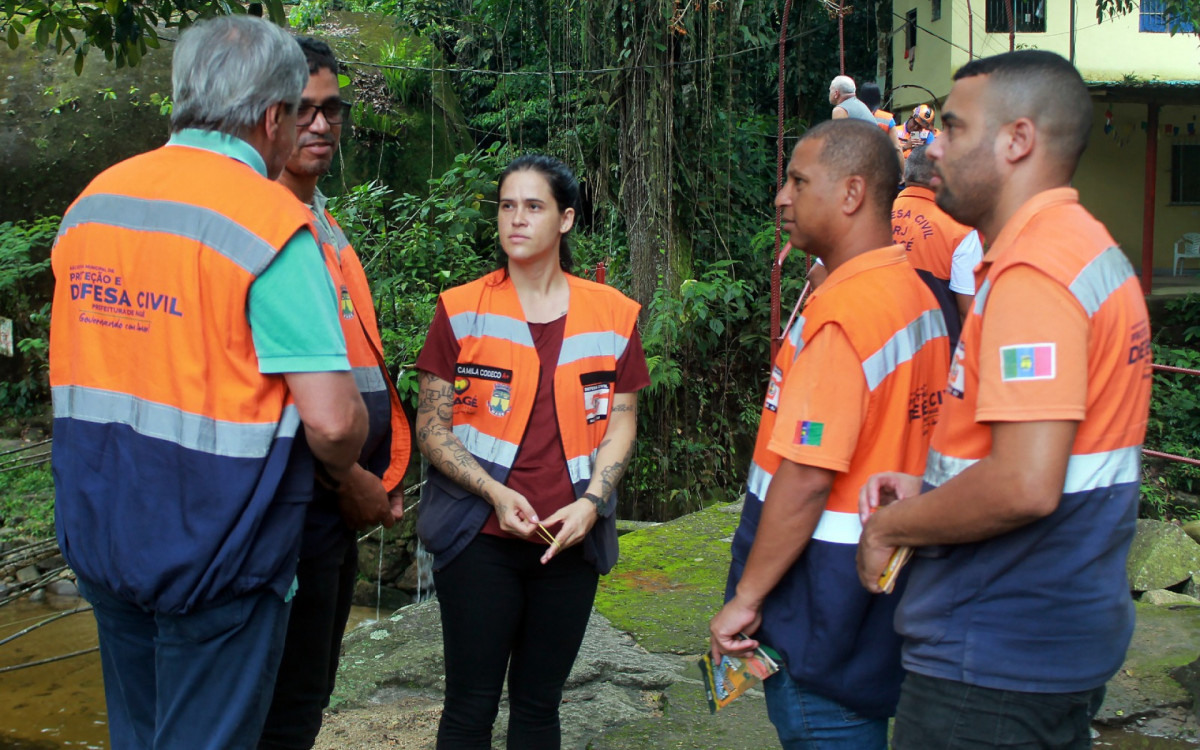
x: 191, y: 431
x: 369, y: 379
x: 839, y: 528
x: 901, y: 347
x: 758, y: 481
x: 222, y: 234
x: 1091, y: 471
x: 598, y: 344
x: 796, y: 336
x: 1100, y: 278
x: 981, y: 296
x: 580, y: 468
x: 489, y: 324
x: 485, y: 447
x: 1088, y: 471
x: 940, y: 469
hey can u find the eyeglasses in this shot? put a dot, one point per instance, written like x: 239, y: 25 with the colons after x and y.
x: 335, y: 112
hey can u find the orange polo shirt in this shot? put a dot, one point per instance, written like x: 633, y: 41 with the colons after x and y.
x: 926, y: 231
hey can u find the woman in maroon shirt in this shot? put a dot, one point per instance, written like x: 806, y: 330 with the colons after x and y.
x: 511, y: 602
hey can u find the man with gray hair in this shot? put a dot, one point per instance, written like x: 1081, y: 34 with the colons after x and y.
x: 845, y: 103
x: 194, y: 331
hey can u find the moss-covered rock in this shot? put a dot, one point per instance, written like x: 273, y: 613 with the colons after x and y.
x: 1163, y: 640
x: 1161, y: 556
x: 670, y: 580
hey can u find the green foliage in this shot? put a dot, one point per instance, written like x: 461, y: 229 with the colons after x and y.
x: 414, y: 247
x: 408, y: 82
x: 25, y: 283
x: 1181, y: 12
x: 27, y: 501
x: 122, y: 30
x: 307, y: 13
x: 1174, y: 427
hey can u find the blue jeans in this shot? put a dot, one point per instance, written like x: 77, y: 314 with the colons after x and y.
x: 807, y: 721
x: 939, y: 714
x: 199, y: 681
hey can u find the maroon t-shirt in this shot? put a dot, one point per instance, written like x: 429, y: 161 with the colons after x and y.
x: 540, y: 469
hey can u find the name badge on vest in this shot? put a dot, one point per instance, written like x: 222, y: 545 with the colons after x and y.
x: 597, y: 394
x: 466, y: 399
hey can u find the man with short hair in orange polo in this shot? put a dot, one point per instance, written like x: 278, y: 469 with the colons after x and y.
x: 1017, y: 610
x: 854, y: 387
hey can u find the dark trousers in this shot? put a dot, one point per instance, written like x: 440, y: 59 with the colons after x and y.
x: 320, y: 610
x: 937, y: 714
x: 502, y: 610
x: 200, y: 680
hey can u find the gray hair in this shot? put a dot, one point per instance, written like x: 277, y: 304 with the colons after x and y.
x: 844, y: 84
x: 227, y: 71
x: 918, y: 170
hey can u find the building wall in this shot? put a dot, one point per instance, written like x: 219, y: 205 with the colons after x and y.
x: 1111, y: 177
x: 1106, y: 51
x: 1112, y: 173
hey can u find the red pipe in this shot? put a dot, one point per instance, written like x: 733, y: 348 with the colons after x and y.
x: 1148, y: 207
x: 1179, y: 370
x: 601, y: 272
x: 1171, y: 457
x: 842, y: 34
x: 970, y: 32
x: 1012, y: 26
x: 775, y: 269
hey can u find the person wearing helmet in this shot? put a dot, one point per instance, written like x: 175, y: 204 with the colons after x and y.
x: 917, y: 130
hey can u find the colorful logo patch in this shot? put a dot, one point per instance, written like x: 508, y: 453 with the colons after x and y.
x: 596, y: 401
x: 773, y: 389
x: 347, y: 305
x: 461, y: 385
x: 958, y: 377
x: 809, y: 433
x: 1027, y: 362
x: 501, y: 401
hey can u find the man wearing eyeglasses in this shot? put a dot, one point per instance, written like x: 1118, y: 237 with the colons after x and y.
x: 371, y: 494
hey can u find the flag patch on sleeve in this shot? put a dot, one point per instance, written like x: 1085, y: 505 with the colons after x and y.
x: 809, y: 433
x: 1027, y: 362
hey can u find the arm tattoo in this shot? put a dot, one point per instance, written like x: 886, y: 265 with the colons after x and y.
x: 622, y: 407
x: 611, y: 475
x: 437, y: 440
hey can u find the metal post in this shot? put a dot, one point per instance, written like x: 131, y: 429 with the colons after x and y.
x: 1148, y: 207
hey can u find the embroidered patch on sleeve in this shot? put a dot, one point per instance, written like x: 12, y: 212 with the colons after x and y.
x: 1027, y: 362
x: 809, y: 433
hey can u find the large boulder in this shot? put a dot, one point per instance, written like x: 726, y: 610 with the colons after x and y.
x: 1161, y: 556
x: 1164, y: 598
x: 1193, y: 530
x: 400, y: 657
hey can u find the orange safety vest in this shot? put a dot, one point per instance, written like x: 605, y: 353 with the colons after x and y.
x: 356, y: 311
x: 175, y: 480
x: 885, y: 120
x: 994, y: 613
x: 496, y: 380
x: 929, y: 237
x: 895, y: 326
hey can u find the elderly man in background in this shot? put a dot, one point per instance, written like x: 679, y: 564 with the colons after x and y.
x: 845, y: 103
x: 194, y: 331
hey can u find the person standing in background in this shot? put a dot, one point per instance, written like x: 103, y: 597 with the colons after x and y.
x: 371, y: 494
